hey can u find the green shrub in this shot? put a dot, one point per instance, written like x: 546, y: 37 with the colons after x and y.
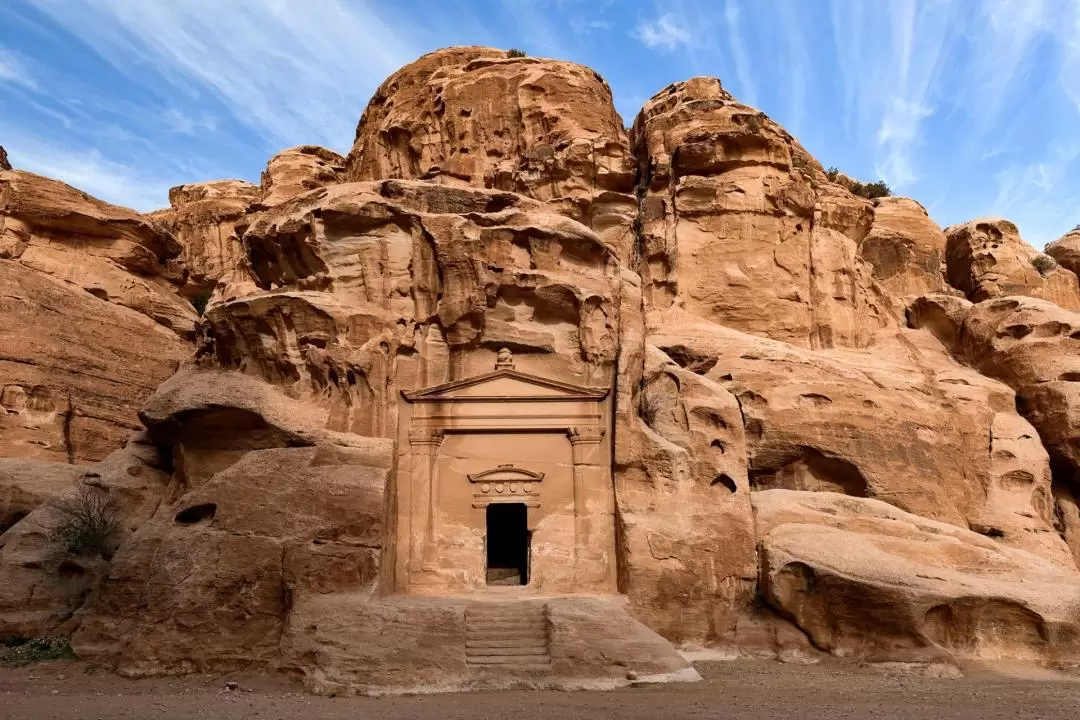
x: 514, y: 52
x: 871, y: 190
x: 19, y: 652
x: 1044, y: 264
x: 86, y: 522
x: 833, y: 173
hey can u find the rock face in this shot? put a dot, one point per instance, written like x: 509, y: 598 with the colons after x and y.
x: 1032, y: 345
x: 987, y: 259
x: 4, y: 164
x: 475, y: 116
x: 91, y: 324
x: 740, y: 226
x: 506, y: 398
x: 203, y: 219
x: 861, y: 577
x: 906, y: 249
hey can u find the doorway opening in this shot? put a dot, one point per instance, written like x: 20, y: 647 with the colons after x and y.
x: 508, y: 539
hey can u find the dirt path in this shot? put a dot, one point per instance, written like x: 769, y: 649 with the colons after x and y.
x: 753, y: 690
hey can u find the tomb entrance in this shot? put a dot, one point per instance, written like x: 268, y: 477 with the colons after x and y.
x: 504, y: 483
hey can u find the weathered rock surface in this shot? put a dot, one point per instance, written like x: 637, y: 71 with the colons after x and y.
x: 91, y: 327
x: 829, y: 420
x: 988, y: 259
x: 1032, y: 345
x: 4, y: 163
x: 44, y: 584
x: 27, y: 484
x: 1066, y: 251
x: 297, y: 170
x: 863, y: 578
x: 739, y: 224
x: 906, y: 249
x: 474, y: 116
x: 374, y: 287
x: 203, y: 219
x: 209, y: 581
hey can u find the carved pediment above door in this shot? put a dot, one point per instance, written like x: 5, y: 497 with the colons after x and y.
x: 505, y: 385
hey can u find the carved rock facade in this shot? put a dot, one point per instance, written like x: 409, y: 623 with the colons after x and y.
x: 507, y: 382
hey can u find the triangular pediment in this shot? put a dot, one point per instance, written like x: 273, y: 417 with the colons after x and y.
x: 505, y: 385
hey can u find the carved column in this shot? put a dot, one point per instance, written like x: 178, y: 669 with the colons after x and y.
x: 424, y: 497
x: 585, y: 442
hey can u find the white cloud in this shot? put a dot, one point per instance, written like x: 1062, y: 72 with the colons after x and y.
x: 293, y: 71
x: 89, y: 171
x: 14, y: 70
x: 666, y: 32
x: 177, y: 121
x: 1030, y: 194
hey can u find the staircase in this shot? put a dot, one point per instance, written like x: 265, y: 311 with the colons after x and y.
x: 507, y: 636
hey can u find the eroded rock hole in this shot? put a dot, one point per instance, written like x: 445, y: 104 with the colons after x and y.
x: 725, y: 480
x: 1070, y: 377
x: 813, y: 471
x: 70, y: 571
x: 695, y: 362
x: 196, y: 514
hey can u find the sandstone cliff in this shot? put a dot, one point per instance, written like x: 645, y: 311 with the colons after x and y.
x: 832, y: 426
x: 93, y: 323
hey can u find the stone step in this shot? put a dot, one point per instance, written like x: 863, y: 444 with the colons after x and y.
x: 512, y: 651
x: 503, y: 642
x: 511, y: 660
x: 506, y: 622
x: 507, y: 631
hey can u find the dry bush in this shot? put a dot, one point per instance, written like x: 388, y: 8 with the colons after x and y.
x: 86, y: 522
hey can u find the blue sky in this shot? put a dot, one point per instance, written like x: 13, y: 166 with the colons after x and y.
x: 970, y: 106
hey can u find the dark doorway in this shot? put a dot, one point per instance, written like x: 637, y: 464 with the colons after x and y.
x: 507, y: 544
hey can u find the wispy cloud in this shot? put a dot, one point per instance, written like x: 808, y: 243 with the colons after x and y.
x: 665, y: 33
x: 88, y: 170
x: 739, y: 52
x: 1028, y: 194
x: 15, y: 70
x: 289, y: 70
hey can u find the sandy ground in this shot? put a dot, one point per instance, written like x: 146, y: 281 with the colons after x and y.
x: 55, y: 690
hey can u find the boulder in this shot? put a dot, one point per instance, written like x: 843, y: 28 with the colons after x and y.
x: 209, y: 582
x: 862, y: 578
x: 4, y: 163
x: 476, y: 116
x: 906, y: 249
x: 739, y: 225
x: 297, y: 170
x: 203, y: 219
x: 1066, y: 251
x: 45, y: 584
x: 987, y: 259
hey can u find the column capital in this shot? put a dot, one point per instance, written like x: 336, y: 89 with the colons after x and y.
x: 585, y: 434
x: 425, y: 438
